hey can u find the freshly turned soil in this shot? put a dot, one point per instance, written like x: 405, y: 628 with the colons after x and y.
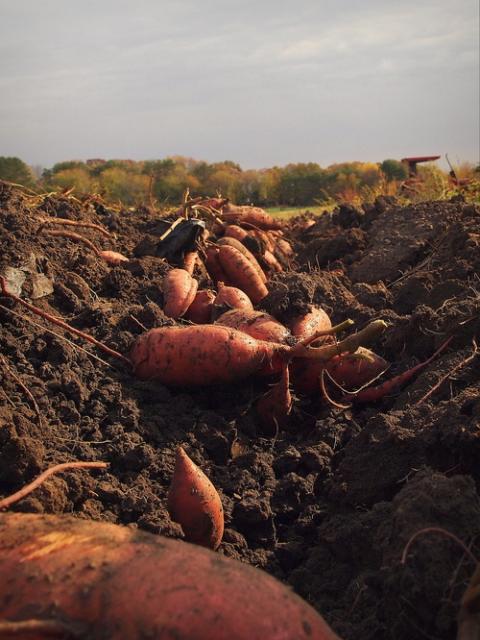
x: 329, y: 503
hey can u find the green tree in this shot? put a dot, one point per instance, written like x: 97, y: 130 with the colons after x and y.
x: 76, y: 178
x: 394, y: 170
x: 15, y: 170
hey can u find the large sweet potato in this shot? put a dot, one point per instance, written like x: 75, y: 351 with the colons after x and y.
x: 95, y: 581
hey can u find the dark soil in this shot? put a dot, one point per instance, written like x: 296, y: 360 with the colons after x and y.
x: 329, y: 504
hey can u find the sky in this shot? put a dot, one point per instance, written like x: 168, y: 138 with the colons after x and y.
x: 262, y: 83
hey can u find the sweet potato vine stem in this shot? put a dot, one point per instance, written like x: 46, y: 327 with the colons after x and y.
x: 75, y: 236
x: 443, y: 532
x: 18, y: 495
x: 60, y: 323
x: 349, y: 344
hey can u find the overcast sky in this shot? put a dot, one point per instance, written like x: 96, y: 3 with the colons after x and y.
x: 259, y: 82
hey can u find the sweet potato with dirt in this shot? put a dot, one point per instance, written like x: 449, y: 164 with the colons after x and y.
x: 200, y: 311
x: 194, y: 503
x: 112, y: 257
x: 314, y: 320
x: 179, y: 290
x: 234, y: 231
x: 250, y: 215
x: 258, y: 324
x: 64, y: 577
x: 354, y: 370
x: 232, y: 298
x: 233, y: 242
x: 241, y: 273
x: 213, y: 266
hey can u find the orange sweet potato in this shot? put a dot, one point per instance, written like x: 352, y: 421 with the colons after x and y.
x: 315, y: 320
x: 214, y: 268
x: 194, y: 503
x: 189, y: 261
x: 200, y: 311
x: 112, y: 257
x: 258, y: 324
x: 350, y: 370
x: 251, y: 215
x: 234, y: 231
x: 233, y: 242
x: 241, y: 273
x: 232, y: 297
x: 64, y: 577
x: 200, y: 355
x: 179, y: 289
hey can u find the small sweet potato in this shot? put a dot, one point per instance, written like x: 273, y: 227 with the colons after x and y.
x: 232, y: 298
x: 241, y: 273
x: 200, y: 311
x: 179, y: 290
x: 234, y: 231
x: 350, y: 370
x: 112, y: 257
x: 64, y: 577
x: 258, y: 324
x: 194, y: 503
x: 314, y: 320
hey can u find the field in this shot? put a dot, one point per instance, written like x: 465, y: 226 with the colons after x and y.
x: 327, y: 503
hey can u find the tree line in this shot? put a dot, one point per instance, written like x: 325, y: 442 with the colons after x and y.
x: 165, y: 181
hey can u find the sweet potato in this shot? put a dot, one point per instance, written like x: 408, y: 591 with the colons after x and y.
x: 112, y: 257
x: 179, y: 290
x: 272, y: 262
x: 258, y: 324
x: 314, y: 320
x: 234, y: 231
x: 200, y: 311
x: 84, y: 579
x: 241, y: 273
x: 250, y: 215
x: 200, y: 355
x: 213, y: 266
x: 194, y: 503
x: 354, y: 370
x: 232, y: 298
x: 233, y: 242
x: 189, y: 261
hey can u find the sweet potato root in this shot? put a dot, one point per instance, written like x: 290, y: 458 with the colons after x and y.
x: 200, y: 311
x: 241, y: 273
x: 194, y: 503
x: 199, y: 355
x: 250, y: 215
x: 213, y: 266
x: 258, y: 324
x: 233, y: 242
x: 234, y: 231
x: 95, y: 580
x: 315, y: 320
x: 354, y: 370
x: 232, y: 298
x: 179, y: 290
x: 112, y: 257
